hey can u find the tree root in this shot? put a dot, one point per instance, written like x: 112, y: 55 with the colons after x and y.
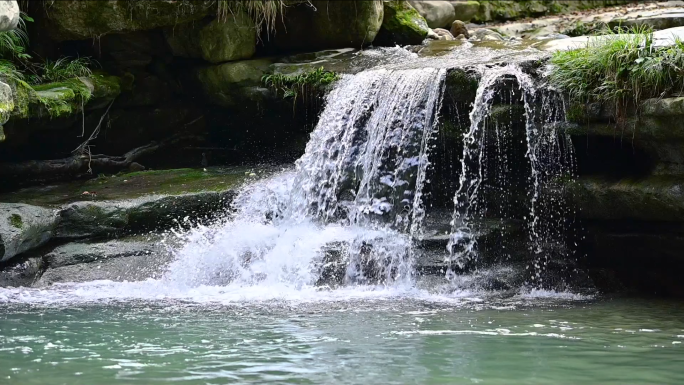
x: 81, y: 163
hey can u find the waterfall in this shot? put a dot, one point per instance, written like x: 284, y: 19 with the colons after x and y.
x: 371, y: 146
x: 347, y: 212
x: 548, y: 157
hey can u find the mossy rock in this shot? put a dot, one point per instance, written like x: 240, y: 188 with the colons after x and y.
x: 229, y: 84
x: 217, y: 41
x: 81, y: 20
x: 64, y: 98
x: 461, y: 85
x: 401, y: 25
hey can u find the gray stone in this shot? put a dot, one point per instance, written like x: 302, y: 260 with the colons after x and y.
x: 23, y: 227
x: 444, y: 34
x: 9, y: 15
x: 484, y: 34
x: 459, y: 28
x: 23, y: 272
x: 217, y: 41
x: 112, y: 218
x: 86, y: 252
x: 133, y: 268
x: 438, y: 14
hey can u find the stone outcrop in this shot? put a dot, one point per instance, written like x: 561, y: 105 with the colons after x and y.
x: 401, y: 25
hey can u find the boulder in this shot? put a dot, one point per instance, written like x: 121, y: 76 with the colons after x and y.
x: 80, y: 20
x: 401, y: 25
x: 465, y: 10
x: 9, y: 15
x: 443, y: 34
x: 24, y: 227
x: 131, y: 268
x: 87, y: 252
x: 112, y: 218
x: 323, y: 24
x: 459, y: 28
x: 217, y: 41
x: 438, y: 14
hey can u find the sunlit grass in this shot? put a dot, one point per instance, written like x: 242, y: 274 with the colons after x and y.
x: 623, y: 68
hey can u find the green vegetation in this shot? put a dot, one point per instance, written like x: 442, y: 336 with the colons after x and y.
x: 304, y: 83
x: 621, y: 68
x: 13, y: 43
x: 53, y: 84
x: 16, y: 221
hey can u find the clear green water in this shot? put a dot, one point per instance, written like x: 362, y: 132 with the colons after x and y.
x: 372, y: 341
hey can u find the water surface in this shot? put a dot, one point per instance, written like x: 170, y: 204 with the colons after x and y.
x: 533, y: 339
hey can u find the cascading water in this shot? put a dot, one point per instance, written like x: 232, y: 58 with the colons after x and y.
x: 347, y: 212
x: 548, y: 156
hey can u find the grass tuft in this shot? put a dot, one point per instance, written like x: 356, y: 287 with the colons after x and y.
x: 61, y: 69
x: 290, y: 86
x: 622, y: 68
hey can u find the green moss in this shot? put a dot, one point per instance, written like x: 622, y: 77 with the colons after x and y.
x: 16, y: 221
x: 61, y: 98
x: 291, y: 86
x: 105, y: 86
